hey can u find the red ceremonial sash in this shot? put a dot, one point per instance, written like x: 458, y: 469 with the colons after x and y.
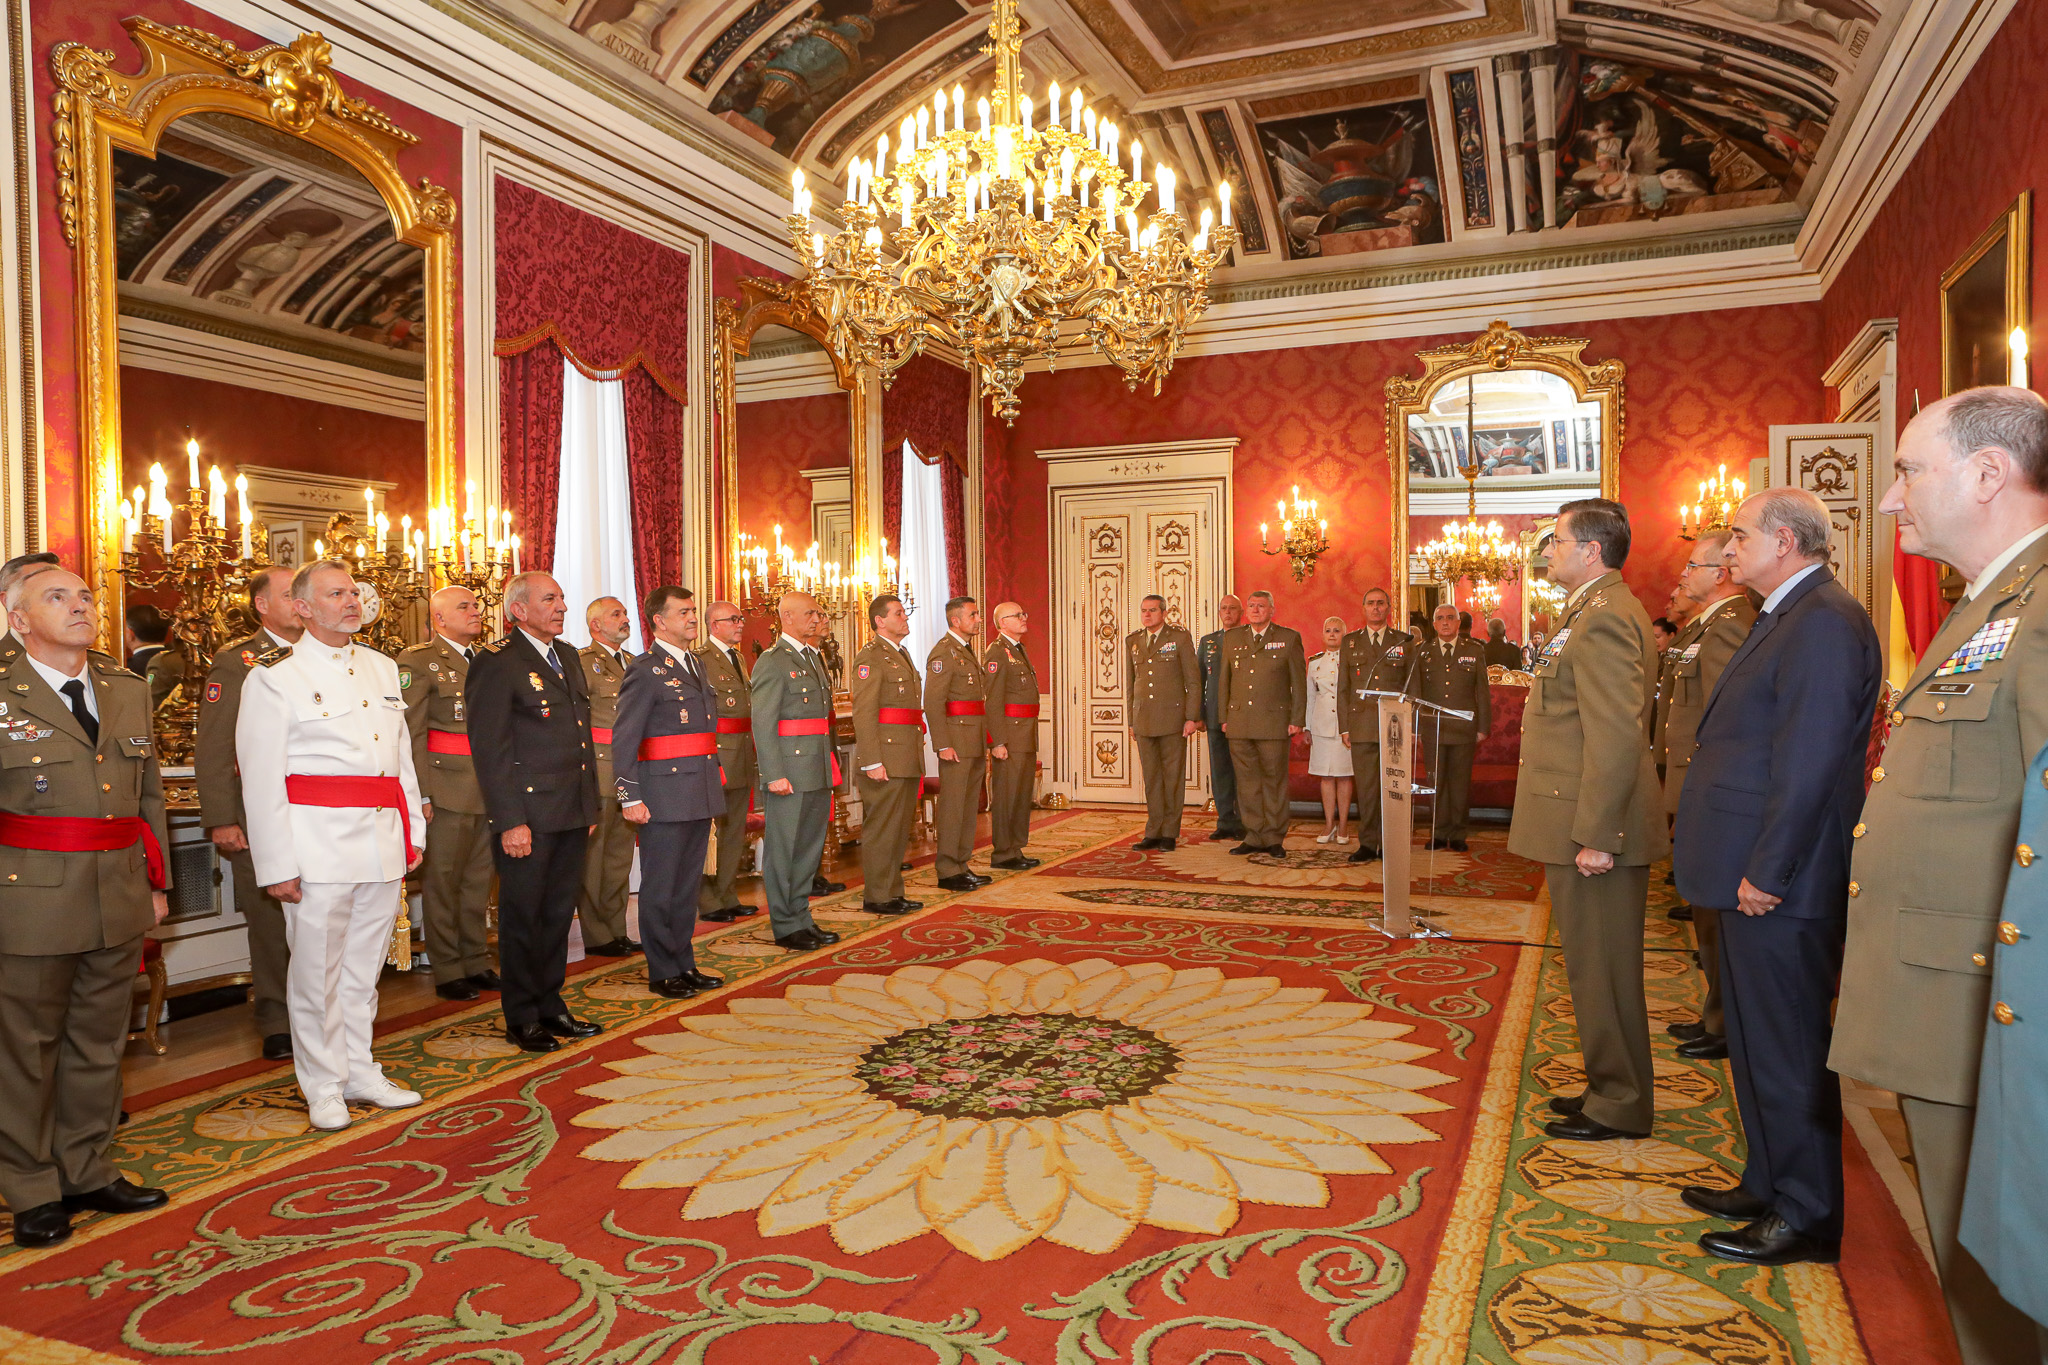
x: 901, y: 715
x: 965, y: 708
x: 350, y: 792
x: 735, y: 725
x: 678, y: 746
x: 447, y: 742
x: 817, y: 725
x: 1023, y: 709
x: 600, y: 735
x: 84, y: 834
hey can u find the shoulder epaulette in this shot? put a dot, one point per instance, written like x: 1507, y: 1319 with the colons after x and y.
x: 500, y: 643
x: 275, y: 654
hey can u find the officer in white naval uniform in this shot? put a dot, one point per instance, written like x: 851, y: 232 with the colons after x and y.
x: 335, y: 823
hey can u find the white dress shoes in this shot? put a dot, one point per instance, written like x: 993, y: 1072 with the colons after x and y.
x: 384, y: 1093
x: 328, y: 1115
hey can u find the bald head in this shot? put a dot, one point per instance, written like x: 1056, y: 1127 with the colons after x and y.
x: 801, y: 617
x: 1012, y: 620
x: 725, y: 624
x: 457, y: 615
x: 1229, y: 610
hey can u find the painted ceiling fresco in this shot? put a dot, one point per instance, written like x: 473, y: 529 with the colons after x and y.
x: 1347, y: 127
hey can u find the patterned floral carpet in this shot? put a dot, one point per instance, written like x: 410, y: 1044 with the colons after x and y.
x: 1052, y: 1122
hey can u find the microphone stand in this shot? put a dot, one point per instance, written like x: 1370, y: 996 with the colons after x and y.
x: 1425, y: 926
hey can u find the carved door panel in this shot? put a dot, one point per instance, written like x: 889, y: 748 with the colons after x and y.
x: 1837, y: 461
x: 1112, y: 548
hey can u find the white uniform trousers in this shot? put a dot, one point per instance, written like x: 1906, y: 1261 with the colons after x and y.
x: 340, y: 933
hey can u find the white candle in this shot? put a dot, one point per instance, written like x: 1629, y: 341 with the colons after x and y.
x: 129, y: 521
x: 1137, y: 160
x: 192, y: 459
x: 217, y: 496
x: 938, y: 113
x: 796, y: 192
x: 1223, y: 189
x: 924, y: 128
x: 1024, y: 112
x: 1067, y: 173
x: 959, y: 107
x: 1166, y: 181
x: 242, y: 510
x: 981, y: 108
x: 515, y: 556
x: 1074, y: 113
x: 2017, y: 342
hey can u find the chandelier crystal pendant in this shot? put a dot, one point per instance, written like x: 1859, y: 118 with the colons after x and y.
x: 1469, y: 549
x: 1009, y: 241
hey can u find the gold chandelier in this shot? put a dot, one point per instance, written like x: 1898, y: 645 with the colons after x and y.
x: 1468, y: 549
x: 1719, y: 497
x: 1011, y: 241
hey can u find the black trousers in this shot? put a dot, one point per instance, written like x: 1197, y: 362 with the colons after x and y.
x: 1223, y: 784
x: 1778, y: 979
x: 536, y: 901
x: 671, y: 880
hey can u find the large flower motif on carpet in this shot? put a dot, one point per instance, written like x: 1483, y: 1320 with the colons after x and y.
x: 997, y: 1103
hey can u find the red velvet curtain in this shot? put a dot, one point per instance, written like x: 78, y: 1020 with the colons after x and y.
x: 954, y: 493
x: 928, y: 406
x: 530, y: 446
x: 654, y: 461
x: 892, y: 495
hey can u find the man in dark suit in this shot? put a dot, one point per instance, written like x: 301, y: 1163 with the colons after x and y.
x: 665, y: 766
x: 1222, y: 777
x: 1763, y: 839
x: 530, y: 714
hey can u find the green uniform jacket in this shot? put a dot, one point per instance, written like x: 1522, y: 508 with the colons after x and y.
x: 1162, y: 681
x: 1362, y: 668
x: 735, y: 702
x: 1587, y: 780
x: 1012, y: 681
x: 786, y: 687
x: 604, y: 671
x: 220, y: 702
x: 1458, y: 682
x: 883, y: 675
x: 1692, y: 665
x: 1265, y: 683
x: 1937, y: 843
x: 430, y: 678
x: 76, y: 902
x: 951, y: 673
x: 165, y: 670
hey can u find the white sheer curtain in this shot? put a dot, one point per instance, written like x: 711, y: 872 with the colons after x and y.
x: 594, y: 521
x: 921, y: 558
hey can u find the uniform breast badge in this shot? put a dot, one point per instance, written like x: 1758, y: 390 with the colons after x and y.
x: 1987, y: 646
x: 686, y: 715
x: 534, y: 678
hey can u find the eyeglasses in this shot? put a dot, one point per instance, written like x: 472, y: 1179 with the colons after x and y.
x: 1016, y: 616
x: 1695, y: 564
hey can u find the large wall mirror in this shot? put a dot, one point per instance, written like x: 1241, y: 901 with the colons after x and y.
x: 1512, y: 427
x: 257, y: 281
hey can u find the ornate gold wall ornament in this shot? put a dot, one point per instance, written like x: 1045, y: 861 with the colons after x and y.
x: 288, y: 87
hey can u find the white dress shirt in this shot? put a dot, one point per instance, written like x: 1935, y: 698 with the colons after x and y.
x: 1998, y: 565
x: 57, y: 680
x: 1778, y: 593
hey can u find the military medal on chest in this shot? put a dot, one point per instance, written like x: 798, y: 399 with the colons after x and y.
x: 534, y: 678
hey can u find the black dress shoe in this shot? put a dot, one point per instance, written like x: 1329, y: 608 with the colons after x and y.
x: 721, y: 916
x: 1708, y: 1047
x: 802, y: 941
x: 821, y: 887
x: 1567, y: 1104
x: 1242, y: 849
x: 963, y: 882
x: 43, y: 1225
x: 904, y: 867
x: 616, y: 948
x: 1225, y: 835
x: 1144, y: 844
x: 1274, y: 850
x: 1580, y: 1128
x: 122, y: 1196
x: 823, y: 935
x: 674, y: 987
x: 978, y: 879
x: 1458, y: 846
x: 487, y: 980
x: 569, y: 1026
x: 1685, y: 1032
x: 277, y: 1047
x: 1736, y: 1204
x: 1362, y: 854
x: 885, y: 908
x: 1681, y: 913
x: 530, y: 1038
x: 1019, y: 864
x: 461, y: 988
x: 1164, y: 846
x: 703, y: 981
x: 904, y: 905
x: 1770, y: 1240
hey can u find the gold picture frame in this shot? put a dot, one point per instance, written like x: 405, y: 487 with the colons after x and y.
x: 1500, y: 347
x: 1984, y: 296
x: 290, y: 87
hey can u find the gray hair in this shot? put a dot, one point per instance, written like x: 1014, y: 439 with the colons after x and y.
x: 2000, y: 416
x: 1715, y: 542
x: 302, y: 580
x: 1798, y: 511
x: 521, y: 586
x: 1262, y: 593
x: 26, y: 566
x: 591, y: 612
x: 1338, y: 619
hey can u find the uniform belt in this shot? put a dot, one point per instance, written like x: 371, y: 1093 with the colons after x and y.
x: 735, y: 725
x: 1022, y: 709
x: 447, y: 742
x: 83, y: 834
x: 901, y: 715
x: 600, y: 735
x: 349, y: 792
x: 816, y: 725
x: 678, y: 746
x: 965, y: 708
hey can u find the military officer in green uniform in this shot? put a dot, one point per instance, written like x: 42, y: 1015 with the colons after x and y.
x: 1377, y: 657
x: 82, y: 847
x: 455, y: 877
x: 792, y: 713
x: 1719, y: 619
x: 1588, y: 808
x: 725, y: 668
x: 220, y: 799
x: 1163, y: 698
x: 1264, y: 704
x: 608, y: 863
x: 888, y: 754
x: 1938, y: 839
x: 955, y: 715
x: 1012, y: 701
x: 1222, y: 777
x: 1452, y: 673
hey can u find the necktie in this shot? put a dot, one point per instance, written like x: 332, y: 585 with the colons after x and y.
x: 469, y: 656
x: 811, y: 658
x: 75, y: 690
x: 554, y: 660
x: 734, y: 655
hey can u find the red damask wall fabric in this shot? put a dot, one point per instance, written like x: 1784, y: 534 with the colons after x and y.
x: 928, y: 407
x: 892, y: 493
x: 609, y: 297
x: 953, y: 494
x: 654, y: 463
x: 777, y: 440
x: 1989, y: 144
x: 530, y: 446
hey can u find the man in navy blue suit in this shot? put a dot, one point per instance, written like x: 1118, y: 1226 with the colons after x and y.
x: 1763, y: 839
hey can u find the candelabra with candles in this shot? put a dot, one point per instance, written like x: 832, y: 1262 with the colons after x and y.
x: 396, y: 569
x: 1484, y: 599
x: 1304, y: 536
x: 1719, y: 497
x: 1469, y: 549
x: 763, y: 573
x: 207, y: 569
x: 481, y: 555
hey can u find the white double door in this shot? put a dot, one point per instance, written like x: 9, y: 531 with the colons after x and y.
x: 1112, y: 547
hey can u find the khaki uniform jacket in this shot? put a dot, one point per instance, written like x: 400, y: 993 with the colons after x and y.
x: 1012, y: 681
x: 732, y: 686
x: 220, y: 703
x: 604, y: 672
x: 883, y: 675
x: 165, y: 669
x: 76, y: 902
x: 1265, y: 683
x: 1586, y: 779
x: 1458, y: 682
x: 951, y: 673
x: 1937, y: 842
x: 787, y: 687
x: 1162, y: 681
x: 1692, y: 665
x: 1363, y: 668
x: 430, y: 678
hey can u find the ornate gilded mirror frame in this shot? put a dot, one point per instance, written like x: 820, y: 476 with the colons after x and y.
x: 764, y: 302
x: 290, y: 88
x: 2005, y: 250
x: 1500, y: 347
